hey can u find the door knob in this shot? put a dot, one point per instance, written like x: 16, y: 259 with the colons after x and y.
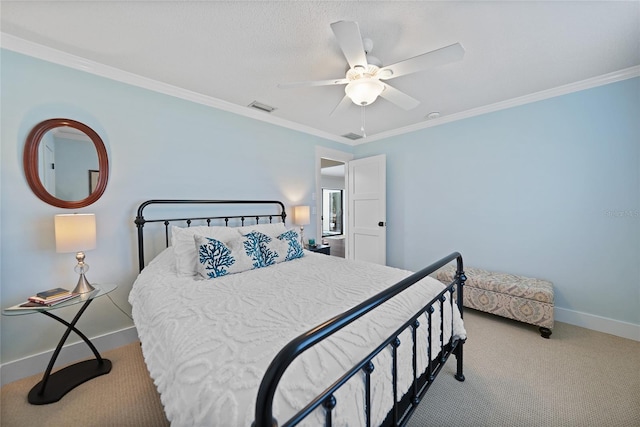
x: 381, y: 224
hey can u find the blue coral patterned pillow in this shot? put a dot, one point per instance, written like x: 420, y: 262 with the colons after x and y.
x: 294, y: 248
x: 264, y: 250
x: 267, y: 250
x: 217, y: 258
x: 253, y: 250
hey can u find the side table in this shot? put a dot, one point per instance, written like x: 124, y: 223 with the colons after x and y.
x: 54, y: 386
x: 322, y: 249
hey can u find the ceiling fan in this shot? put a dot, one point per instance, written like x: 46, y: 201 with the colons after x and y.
x: 365, y: 78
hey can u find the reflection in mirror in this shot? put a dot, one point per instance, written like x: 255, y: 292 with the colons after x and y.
x: 332, y: 212
x: 65, y: 163
x: 66, y: 158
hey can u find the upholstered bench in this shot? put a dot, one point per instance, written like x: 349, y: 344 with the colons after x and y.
x: 520, y: 298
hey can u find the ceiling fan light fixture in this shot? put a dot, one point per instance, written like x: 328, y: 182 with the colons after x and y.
x: 364, y: 91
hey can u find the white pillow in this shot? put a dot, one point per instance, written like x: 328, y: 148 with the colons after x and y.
x: 275, y: 229
x: 216, y: 258
x: 185, y: 250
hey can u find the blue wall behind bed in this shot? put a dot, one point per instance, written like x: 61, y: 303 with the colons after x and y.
x: 549, y: 189
x: 159, y: 147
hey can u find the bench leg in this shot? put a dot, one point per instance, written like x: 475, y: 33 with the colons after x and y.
x: 545, y: 332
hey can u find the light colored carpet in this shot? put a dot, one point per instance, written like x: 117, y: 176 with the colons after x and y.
x: 125, y: 397
x: 513, y: 378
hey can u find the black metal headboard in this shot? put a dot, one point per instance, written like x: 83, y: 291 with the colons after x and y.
x: 140, y: 220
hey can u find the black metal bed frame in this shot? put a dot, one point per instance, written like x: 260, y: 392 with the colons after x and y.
x: 140, y: 220
x: 404, y: 407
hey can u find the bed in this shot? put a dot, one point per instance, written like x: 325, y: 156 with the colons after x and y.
x: 306, y: 339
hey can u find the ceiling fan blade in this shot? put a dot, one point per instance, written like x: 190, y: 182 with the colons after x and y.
x: 444, y: 55
x: 399, y: 98
x: 348, y: 35
x: 313, y: 83
x: 343, y: 105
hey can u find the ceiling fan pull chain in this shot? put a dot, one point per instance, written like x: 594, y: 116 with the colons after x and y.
x: 364, y: 134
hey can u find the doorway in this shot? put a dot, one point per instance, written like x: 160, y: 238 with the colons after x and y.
x: 363, y: 182
x: 332, y: 212
x: 331, y: 175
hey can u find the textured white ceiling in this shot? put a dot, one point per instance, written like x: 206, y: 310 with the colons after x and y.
x: 239, y: 51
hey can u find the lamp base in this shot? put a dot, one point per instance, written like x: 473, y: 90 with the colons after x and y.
x: 83, y: 286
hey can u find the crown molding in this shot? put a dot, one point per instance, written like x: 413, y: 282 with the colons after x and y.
x: 604, y: 79
x: 16, y: 44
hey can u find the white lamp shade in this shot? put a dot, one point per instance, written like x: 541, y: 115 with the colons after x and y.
x: 301, y: 215
x: 364, y: 91
x: 75, y: 232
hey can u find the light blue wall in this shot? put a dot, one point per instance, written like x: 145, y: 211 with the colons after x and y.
x: 159, y: 147
x: 549, y: 189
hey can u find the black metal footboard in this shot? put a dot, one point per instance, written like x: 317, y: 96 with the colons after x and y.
x: 402, y: 408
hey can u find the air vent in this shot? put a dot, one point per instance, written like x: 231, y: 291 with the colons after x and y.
x: 262, y: 107
x: 352, y: 136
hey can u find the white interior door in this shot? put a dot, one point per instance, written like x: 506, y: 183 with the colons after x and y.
x: 367, y: 198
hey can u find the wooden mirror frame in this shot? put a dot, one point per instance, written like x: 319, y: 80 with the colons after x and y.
x: 30, y: 163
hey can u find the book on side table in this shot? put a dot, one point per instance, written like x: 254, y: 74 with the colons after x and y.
x: 46, y: 298
x: 52, y: 293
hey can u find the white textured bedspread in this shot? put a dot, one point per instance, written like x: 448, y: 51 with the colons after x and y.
x: 207, y: 343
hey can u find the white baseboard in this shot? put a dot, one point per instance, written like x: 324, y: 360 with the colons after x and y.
x: 36, y: 364
x: 598, y: 323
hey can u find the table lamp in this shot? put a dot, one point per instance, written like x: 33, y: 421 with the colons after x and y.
x: 301, y: 217
x: 76, y: 233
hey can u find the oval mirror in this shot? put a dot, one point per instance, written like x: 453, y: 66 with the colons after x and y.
x: 65, y: 163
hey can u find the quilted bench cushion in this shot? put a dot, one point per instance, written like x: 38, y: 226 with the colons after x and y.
x: 520, y: 298
x: 503, y: 283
